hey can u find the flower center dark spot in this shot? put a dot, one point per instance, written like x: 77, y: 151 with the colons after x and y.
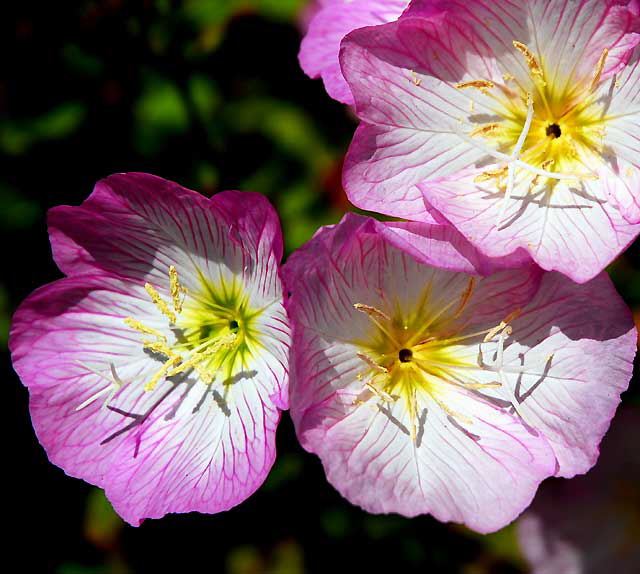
x: 233, y: 326
x: 554, y: 130
x: 405, y: 355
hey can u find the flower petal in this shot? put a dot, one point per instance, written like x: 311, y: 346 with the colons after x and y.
x: 567, y: 342
x: 321, y: 44
x: 575, y: 231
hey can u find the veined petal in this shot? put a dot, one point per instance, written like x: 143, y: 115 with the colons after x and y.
x: 575, y: 231
x: 454, y: 471
x: 619, y: 174
x: 321, y: 44
x: 560, y: 392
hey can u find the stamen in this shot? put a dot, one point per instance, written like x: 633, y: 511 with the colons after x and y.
x: 375, y: 315
x: 479, y: 84
x: 225, y: 342
x: 485, y: 130
x: 544, y: 165
x: 178, y: 292
x: 381, y: 394
x: 162, y: 372
x: 413, y: 413
x: 599, y: 69
x: 158, y: 347
x: 372, y: 363
x: 532, y: 62
x: 159, y: 303
x: 466, y: 296
x: 492, y: 385
x: 141, y: 328
x: 371, y: 311
x: 450, y: 412
x: 504, y: 324
x: 491, y: 174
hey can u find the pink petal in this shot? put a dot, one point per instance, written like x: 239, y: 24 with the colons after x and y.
x: 576, y: 234
x: 321, y: 44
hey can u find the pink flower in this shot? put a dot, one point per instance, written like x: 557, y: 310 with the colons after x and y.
x: 331, y: 21
x: 516, y: 121
x: 590, y: 524
x: 157, y: 367
x: 425, y: 390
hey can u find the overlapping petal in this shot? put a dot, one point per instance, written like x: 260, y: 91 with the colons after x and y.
x: 332, y: 22
x: 186, y: 444
x: 532, y: 405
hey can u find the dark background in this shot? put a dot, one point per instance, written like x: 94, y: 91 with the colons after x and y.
x: 207, y: 93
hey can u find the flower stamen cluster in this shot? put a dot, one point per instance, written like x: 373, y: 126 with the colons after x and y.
x: 414, y: 357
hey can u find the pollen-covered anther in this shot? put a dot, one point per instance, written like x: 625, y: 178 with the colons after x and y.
x: 503, y: 326
x: 478, y: 84
x: 544, y: 165
x: 143, y: 329
x: 465, y: 298
x: 170, y: 362
x: 532, y: 62
x: 450, y: 412
x: 485, y: 130
x: 159, y: 302
x: 178, y: 292
x: 599, y: 68
x: 158, y: 347
x: 491, y: 174
x: 375, y: 366
x: 225, y: 342
x: 381, y: 394
x: 373, y: 312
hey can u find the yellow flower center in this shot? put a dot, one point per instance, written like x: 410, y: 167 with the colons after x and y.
x: 214, y: 328
x: 414, y: 354
x: 549, y: 134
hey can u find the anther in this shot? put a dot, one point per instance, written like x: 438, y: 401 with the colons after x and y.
x: 372, y: 363
x: 485, y: 130
x: 141, y: 328
x: 371, y: 311
x: 178, y: 292
x: 532, y: 62
x: 491, y: 174
x: 479, y: 84
x: 159, y: 302
x: 599, y: 69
